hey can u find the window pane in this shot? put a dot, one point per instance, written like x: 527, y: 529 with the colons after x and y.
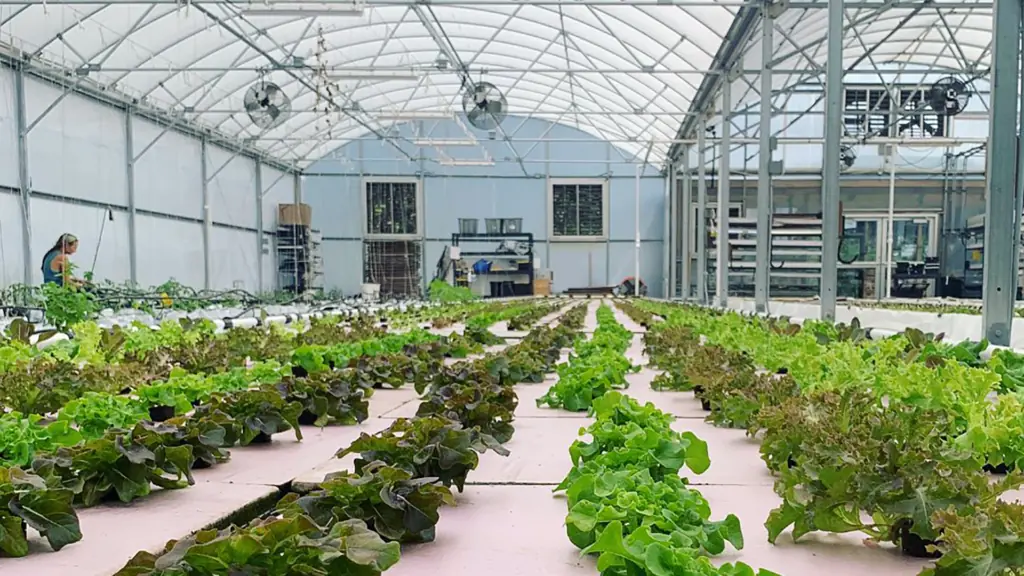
x: 563, y: 210
x: 591, y: 210
x: 391, y: 208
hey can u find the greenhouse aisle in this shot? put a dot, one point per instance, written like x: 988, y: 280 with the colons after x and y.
x: 508, y: 522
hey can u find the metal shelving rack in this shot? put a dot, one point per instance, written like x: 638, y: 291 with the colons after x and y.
x: 300, y: 266
x: 796, y: 248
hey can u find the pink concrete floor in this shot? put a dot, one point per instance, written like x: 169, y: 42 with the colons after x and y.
x: 507, y: 523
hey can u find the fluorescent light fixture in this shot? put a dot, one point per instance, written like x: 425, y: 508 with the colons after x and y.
x: 340, y: 75
x: 443, y: 142
x: 423, y: 115
x: 466, y: 162
x: 313, y: 10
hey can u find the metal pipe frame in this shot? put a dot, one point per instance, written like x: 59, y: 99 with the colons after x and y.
x: 667, y: 247
x: 762, y: 261
x: 722, y: 212
x: 796, y: 4
x: 830, y: 171
x: 684, y: 206
x: 129, y: 147
x: 1000, y: 266
x: 24, y: 179
x: 207, y: 216
x: 702, y: 209
x: 258, y: 191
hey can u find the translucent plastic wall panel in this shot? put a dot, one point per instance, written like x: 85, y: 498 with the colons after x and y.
x: 11, y: 261
x: 168, y: 177
x: 622, y: 209
x: 8, y: 131
x: 278, y: 188
x: 336, y: 204
x: 102, y: 242
x: 343, y: 265
x: 78, y: 149
x: 448, y: 199
x: 169, y: 249
x: 232, y: 259
x: 578, y: 264
x: 232, y: 190
x: 622, y: 263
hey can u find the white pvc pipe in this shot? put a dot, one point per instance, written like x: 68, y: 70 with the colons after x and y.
x: 888, y: 234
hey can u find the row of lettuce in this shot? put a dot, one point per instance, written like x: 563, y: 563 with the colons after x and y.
x: 896, y: 438
x: 355, y: 521
x: 118, y: 442
x: 627, y: 502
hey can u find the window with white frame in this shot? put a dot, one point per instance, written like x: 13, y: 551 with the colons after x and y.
x: 579, y: 209
x: 392, y: 208
x: 891, y: 112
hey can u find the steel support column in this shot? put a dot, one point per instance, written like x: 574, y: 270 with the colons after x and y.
x: 24, y: 180
x: 1000, y: 268
x: 684, y: 208
x: 129, y: 144
x: 636, y: 231
x: 667, y: 247
x: 207, y: 219
x: 701, y: 225
x: 259, y: 227
x: 762, y: 266
x: 724, y: 188
x: 830, y: 176
x: 297, y: 188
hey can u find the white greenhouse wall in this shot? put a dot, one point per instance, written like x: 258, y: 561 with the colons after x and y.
x: 78, y: 158
x: 8, y: 133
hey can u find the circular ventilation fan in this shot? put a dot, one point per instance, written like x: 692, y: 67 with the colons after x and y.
x: 847, y: 156
x: 485, y: 106
x: 266, y: 104
x: 949, y: 96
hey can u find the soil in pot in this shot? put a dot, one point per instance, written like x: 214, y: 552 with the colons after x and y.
x: 913, y: 545
x: 161, y: 413
x: 307, y: 418
x: 261, y: 438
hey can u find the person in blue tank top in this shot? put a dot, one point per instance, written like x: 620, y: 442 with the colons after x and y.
x: 56, y: 269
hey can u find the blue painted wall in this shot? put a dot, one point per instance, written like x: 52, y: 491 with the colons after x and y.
x: 504, y: 190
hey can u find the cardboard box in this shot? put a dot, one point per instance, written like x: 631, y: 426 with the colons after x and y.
x: 541, y: 287
x: 294, y: 214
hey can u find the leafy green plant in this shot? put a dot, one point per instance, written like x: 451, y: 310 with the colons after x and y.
x: 257, y: 414
x: 115, y: 466
x: 95, y: 413
x: 67, y: 305
x: 472, y: 394
x: 271, y: 547
x: 425, y: 447
x: 392, y: 503
x: 328, y: 397
x: 22, y: 438
x: 25, y: 499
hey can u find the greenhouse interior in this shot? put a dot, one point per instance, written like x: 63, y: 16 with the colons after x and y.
x: 352, y: 287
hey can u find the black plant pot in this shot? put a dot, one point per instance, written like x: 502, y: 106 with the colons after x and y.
x: 261, y: 438
x: 782, y: 371
x: 705, y: 404
x: 201, y: 465
x: 299, y: 372
x: 307, y: 418
x: 790, y: 462
x: 913, y: 545
x: 998, y: 469
x: 161, y: 413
